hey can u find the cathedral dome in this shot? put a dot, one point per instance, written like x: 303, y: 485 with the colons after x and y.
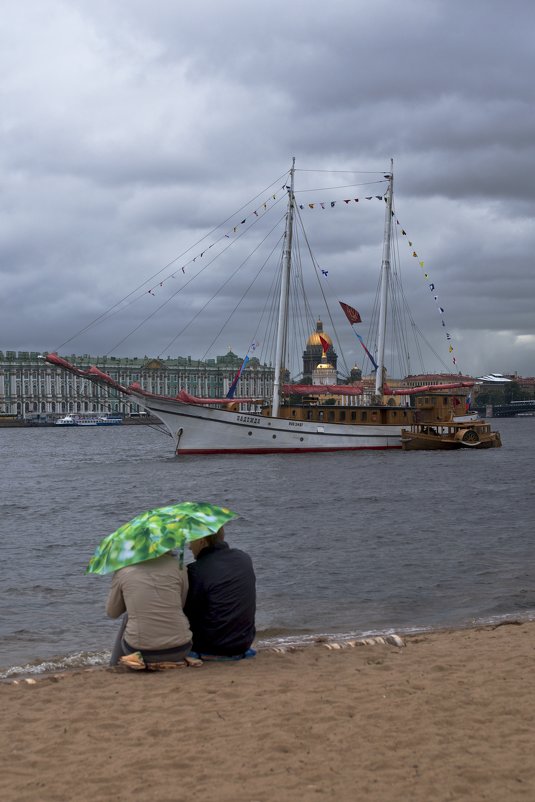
x: 314, y: 338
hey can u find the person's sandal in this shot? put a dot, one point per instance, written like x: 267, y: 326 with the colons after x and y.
x: 193, y: 662
x: 133, y: 661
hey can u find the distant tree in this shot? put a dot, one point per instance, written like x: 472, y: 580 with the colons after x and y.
x: 513, y: 392
x: 491, y: 395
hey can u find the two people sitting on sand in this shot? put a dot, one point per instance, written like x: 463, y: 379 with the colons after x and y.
x: 172, y: 616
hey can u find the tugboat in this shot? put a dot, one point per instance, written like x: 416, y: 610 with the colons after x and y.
x: 436, y: 428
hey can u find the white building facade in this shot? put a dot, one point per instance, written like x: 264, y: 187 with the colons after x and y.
x: 29, y: 386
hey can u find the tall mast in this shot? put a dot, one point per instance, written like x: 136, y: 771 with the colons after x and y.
x: 282, y: 325
x: 385, y: 281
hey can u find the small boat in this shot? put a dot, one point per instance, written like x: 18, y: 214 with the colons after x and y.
x: 436, y: 428
x: 67, y: 420
x: 86, y: 420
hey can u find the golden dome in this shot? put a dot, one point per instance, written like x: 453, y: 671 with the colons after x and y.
x: 324, y: 365
x: 314, y: 338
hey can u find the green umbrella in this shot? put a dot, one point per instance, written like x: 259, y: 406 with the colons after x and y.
x: 153, y: 533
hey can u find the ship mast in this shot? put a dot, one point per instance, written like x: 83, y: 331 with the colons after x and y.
x: 385, y: 281
x: 282, y: 325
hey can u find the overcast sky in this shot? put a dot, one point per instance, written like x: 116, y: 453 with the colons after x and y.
x: 130, y: 129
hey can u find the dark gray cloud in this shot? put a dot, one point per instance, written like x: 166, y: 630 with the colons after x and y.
x: 129, y: 130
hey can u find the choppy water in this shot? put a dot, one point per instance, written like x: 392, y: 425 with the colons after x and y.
x: 346, y: 543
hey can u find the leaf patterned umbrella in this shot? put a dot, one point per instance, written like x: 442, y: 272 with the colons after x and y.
x: 153, y: 533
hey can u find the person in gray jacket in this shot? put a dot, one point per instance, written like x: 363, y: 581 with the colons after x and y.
x: 151, y: 596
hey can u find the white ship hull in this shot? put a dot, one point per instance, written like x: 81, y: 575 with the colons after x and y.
x: 203, y: 430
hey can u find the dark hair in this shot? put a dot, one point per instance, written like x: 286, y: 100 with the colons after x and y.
x: 218, y: 537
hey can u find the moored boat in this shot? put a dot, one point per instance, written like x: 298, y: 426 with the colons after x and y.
x: 67, y: 420
x: 88, y: 420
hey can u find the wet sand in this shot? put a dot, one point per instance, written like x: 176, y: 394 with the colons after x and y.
x: 449, y: 716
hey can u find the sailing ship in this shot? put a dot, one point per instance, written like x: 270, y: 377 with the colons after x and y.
x: 293, y: 420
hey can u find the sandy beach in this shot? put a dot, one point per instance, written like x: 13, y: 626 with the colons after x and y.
x: 449, y: 716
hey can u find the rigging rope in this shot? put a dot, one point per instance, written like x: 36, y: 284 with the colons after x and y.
x: 243, y: 294
x: 165, y: 267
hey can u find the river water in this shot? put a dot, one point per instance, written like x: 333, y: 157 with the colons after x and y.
x: 352, y: 543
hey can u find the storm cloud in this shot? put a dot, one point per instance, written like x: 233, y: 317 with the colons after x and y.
x: 130, y: 129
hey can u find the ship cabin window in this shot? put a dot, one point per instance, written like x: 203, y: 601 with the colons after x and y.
x: 342, y: 414
x: 353, y: 414
x: 331, y: 415
x: 364, y: 416
x: 309, y: 414
x: 293, y: 413
x: 320, y: 415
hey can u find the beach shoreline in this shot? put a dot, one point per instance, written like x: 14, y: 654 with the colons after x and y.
x: 267, y: 640
x: 447, y: 716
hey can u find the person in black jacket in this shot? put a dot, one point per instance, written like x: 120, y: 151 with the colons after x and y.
x: 221, y: 601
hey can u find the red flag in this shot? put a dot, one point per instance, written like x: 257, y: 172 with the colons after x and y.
x: 351, y: 314
x: 324, y: 344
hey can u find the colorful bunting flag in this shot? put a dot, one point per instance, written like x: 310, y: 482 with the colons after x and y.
x: 432, y: 289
